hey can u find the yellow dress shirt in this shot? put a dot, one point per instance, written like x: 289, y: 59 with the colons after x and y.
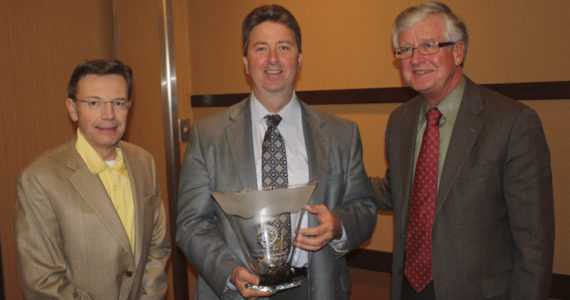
x: 115, y: 178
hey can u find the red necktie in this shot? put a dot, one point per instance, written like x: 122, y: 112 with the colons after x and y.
x: 418, y: 267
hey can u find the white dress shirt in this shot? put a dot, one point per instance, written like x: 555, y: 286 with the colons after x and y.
x: 291, y: 129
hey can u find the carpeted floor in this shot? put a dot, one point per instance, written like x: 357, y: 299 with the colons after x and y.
x: 368, y: 285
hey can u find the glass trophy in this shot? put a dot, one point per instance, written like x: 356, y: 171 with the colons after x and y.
x: 262, y: 222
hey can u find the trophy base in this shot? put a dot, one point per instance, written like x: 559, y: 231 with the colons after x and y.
x: 270, y: 288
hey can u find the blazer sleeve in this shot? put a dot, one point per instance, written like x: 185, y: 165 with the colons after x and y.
x: 381, y: 186
x: 357, y: 212
x: 154, y: 282
x: 39, y: 246
x: 198, y: 234
x: 529, y: 199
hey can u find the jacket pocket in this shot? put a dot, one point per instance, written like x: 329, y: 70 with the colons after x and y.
x: 495, y: 286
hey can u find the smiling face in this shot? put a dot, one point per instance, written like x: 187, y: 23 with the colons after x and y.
x: 272, y: 61
x: 102, y: 129
x: 435, y: 75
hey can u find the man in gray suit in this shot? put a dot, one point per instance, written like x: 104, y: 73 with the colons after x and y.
x: 224, y: 154
x: 473, y: 209
x: 89, y: 219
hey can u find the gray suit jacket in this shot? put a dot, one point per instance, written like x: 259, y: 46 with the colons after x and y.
x: 220, y: 158
x: 493, y: 232
x: 70, y: 241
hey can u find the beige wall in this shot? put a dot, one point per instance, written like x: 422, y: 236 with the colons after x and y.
x: 350, y: 42
x: 347, y: 44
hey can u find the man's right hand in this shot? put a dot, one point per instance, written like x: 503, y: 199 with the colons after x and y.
x: 240, y: 277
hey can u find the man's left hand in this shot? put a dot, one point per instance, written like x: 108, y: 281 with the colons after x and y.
x: 315, y: 238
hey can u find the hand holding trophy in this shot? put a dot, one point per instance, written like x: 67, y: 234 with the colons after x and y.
x: 261, y: 221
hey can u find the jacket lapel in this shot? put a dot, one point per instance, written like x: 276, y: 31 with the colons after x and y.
x: 136, y: 177
x: 92, y: 191
x: 407, y: 146
x: 465, y: 133
x: 317, y: 145
x: 240, y: 142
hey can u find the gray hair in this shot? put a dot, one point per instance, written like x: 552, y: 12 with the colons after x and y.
x: 455, y: 29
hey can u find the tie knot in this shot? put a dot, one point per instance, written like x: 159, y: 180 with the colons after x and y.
x: 433, y: 115
x: 272, y: 120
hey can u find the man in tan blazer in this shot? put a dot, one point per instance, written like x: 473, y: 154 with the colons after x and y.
x: 89, y: 222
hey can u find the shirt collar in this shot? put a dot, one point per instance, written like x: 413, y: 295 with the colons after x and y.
x: 449, y: 106
x: 92, y: 159
x: 290, y: 113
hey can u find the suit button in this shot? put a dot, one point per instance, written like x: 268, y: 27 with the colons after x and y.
x: 128, y: 273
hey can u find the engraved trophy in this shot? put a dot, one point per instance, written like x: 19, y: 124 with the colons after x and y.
x: 262, y: 222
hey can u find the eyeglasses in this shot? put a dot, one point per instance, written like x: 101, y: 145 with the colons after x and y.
x: 98, y: 104
x: 425, y: 49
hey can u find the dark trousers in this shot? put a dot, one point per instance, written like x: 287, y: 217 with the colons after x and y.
x: 408, y: 292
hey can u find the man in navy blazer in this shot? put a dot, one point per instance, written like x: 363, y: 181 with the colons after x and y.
x: 493, y: 223
x: 224, y: 154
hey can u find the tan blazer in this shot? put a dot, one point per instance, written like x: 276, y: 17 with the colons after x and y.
x: 70, y: 241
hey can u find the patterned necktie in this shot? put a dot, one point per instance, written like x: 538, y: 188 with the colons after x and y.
x: 274, y: 158
x: 274, y: 175
x: 418, y: 267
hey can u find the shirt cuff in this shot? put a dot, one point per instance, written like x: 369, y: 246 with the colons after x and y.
x: 340, y: 245
x: 230, y: 285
